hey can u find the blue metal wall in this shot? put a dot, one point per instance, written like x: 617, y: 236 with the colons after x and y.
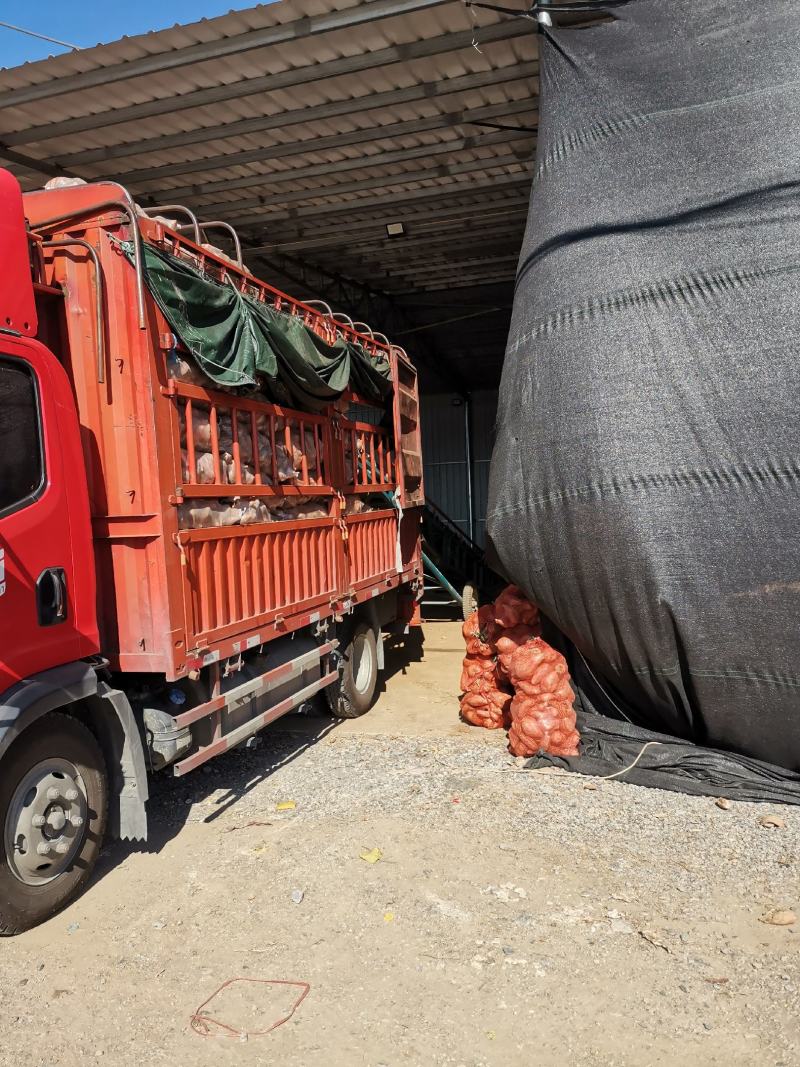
x: 444, y: 451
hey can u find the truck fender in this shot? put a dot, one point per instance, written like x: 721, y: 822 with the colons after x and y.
x: 110, y: 716
x: 50, y: 690
x: 115, y: 724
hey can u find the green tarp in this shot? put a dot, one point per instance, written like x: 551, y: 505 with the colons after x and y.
x: 238, y: 341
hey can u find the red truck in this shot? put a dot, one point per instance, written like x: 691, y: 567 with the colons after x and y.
x: 186, y: 551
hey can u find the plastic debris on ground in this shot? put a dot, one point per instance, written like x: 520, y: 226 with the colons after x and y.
x: 371, y: 855
x: 206, y: 1025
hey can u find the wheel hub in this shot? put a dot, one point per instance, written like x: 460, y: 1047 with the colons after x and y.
x: 46, y: 820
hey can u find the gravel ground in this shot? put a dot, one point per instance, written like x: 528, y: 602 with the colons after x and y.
x: 510, y: 916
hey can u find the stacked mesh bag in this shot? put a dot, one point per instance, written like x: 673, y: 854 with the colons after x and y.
x: 486, y: 699
x: 513, y: 679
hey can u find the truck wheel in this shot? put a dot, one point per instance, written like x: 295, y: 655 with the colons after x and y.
x: 53, y: 800
x: 353, y: 694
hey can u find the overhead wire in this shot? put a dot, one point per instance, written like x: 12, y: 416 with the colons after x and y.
x: 40, y: 36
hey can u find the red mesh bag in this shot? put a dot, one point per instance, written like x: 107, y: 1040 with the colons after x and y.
x: 478, y: 674
x: 479, y: 631
x: 512, y: 608
x: 542, y: 724
x: 542, y: 713
x: 484, y: 703
x: 541, y: 716
x: 508, y: 641
x: 536, y: 669
x: 490, y: 710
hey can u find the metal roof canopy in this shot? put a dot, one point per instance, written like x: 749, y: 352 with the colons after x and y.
x: 311, y: 125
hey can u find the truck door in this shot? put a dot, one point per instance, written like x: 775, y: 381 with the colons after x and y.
x: 44, y: 620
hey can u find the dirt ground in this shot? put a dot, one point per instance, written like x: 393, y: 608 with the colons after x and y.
x: 507, y: 916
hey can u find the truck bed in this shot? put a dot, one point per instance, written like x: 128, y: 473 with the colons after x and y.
x: 173, y: 599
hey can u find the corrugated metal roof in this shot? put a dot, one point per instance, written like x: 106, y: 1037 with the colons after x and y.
x: 309, y: 124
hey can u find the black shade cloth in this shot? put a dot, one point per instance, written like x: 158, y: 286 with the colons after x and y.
x: 644, y: 483
x: 629, y: 753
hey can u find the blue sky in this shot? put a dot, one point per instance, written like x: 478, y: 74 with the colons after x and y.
x: 90, y: 22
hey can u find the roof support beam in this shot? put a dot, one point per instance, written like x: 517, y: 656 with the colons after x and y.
x: 475, y: 314
x: 369, y: 266
x: 294, y: 240
x: 463, y: 300
x: 419, y: 273
x: 466, y: 266
x: 237, y: 90
x: 470, y: 230
x: 297, y: 116
x: 299, y: 29
x: 392, y: 204
x: 50, y: 167
x: 436, y: 244
x: 378, y: 159
x: 420, y: 276
x: 377, y: 181
x: 457, y: 279
x: 309, y: 145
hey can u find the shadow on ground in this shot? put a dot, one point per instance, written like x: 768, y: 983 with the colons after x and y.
x: 243, y: 769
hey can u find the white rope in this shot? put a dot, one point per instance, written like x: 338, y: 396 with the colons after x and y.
x: 616, y: 774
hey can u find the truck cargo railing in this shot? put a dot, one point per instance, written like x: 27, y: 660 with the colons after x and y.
x: 160, y: 208
x: 369, y: 460
x: 254, y: 448
x: 91, y: 252
x: 259, y: 578
x: 220, y: 224
x: 327, y: 324
x: 128, y: 208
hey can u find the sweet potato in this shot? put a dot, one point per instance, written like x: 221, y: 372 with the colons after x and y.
x: 479, y: 631
x: 508, y: 641
x: 489, y: 710
x: 478, y: 673
x: 512, y: 608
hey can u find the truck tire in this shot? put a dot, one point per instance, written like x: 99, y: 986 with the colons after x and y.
x: 354, y: 693
x: 469, y: 600
x: 53, y: 804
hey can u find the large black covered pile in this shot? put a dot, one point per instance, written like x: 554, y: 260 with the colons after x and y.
x: 644, y: 486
